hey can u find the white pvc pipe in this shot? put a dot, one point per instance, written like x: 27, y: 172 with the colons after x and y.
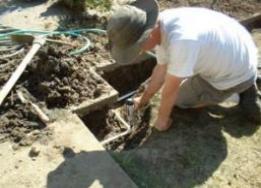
x: 128, y: 130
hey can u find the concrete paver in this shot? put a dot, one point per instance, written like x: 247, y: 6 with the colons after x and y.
x: 72, y: 158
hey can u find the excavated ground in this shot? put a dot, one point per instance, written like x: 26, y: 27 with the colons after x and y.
x: 52, y: 80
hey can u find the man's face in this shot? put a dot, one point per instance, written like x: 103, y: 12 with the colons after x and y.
x: 149, y: 43
x: 152, y: 40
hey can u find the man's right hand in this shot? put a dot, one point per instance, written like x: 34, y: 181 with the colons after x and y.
x: 137, y: 103
x: 156, y: 81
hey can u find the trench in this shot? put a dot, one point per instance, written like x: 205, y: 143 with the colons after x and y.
x: 103, y: 123
x: 128, y: 78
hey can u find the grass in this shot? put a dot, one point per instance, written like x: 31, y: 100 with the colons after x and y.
x: 135, y: 169
x: 198, y: 151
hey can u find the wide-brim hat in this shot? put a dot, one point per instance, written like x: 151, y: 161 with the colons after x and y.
x: 129, y: 26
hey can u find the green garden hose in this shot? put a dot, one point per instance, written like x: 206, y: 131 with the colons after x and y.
x: 6, y: 32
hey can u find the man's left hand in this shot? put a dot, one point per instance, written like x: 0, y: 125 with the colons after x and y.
x: 163, y: 124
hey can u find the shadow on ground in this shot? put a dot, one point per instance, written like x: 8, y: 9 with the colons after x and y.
x: 189, y: 153
x: 85, y: 169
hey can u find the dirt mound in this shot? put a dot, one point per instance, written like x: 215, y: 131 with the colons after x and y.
x: 53, y: 79
x: 99, y: 51
x: 19, y: 123
x: 234, y: 8
x: 61, y: 80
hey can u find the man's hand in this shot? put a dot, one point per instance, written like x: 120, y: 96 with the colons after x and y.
x: 156, y: 81
x: 168, y: 98
x: 163, y: 124
x: 137, y: 103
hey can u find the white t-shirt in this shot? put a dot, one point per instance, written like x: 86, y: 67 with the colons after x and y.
x: 198, y: 41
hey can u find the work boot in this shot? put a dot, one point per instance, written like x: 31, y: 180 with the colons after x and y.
x: 250, y: 104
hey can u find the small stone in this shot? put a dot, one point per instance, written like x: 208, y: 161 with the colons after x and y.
x: 26, y: 142
x: 34, y: 152
x: 15, y: 147
x: 16, y: 166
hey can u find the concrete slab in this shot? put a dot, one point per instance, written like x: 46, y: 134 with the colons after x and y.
x: 105, y: 99
x: 73, y: 158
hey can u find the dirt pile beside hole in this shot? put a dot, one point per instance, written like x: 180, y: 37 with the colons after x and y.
x: 54, y: 80
x: 99, y: 51
x: 61, y: 80
x: 20, y: 124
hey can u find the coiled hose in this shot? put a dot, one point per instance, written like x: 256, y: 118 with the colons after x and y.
x: 7, y: 32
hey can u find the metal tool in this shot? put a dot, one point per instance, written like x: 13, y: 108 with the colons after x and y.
x: 129, y: 108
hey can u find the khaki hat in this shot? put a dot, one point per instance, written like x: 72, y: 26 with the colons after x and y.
x: 129, y: 26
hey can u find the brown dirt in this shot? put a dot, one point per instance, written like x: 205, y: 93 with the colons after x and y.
x: 20, y: 124
x: 98, y: 53
x: 61, y: 80
x: 234, y: 8
x: 109, y: 126
x: 54, y: 80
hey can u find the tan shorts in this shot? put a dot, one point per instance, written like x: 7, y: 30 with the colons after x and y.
x: 195, y: 91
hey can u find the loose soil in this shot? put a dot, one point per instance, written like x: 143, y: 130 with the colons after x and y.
x: 62, y: 80
x: 99, y: 52
x: 109, y: 126
x: 20, y: 124
x: 53, y: 80
x: 234, y: 8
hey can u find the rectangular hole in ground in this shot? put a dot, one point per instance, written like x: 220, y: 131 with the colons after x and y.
x: 104, y: 124
x: 128, y: 78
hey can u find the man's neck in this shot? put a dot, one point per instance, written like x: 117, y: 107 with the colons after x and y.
x: 158, y: 34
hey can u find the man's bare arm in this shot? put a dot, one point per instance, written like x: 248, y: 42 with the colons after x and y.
x: 168, y: 98
x: 156, y: 82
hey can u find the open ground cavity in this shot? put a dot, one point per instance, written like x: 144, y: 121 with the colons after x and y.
x: 109, y: 125
x: 128, y: 78
x: 124, y: 79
